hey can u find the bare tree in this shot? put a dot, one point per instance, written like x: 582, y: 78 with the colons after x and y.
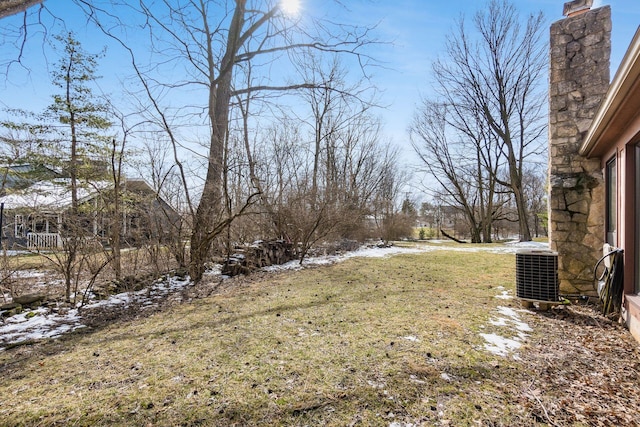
x: 496, y: 73
x: 385, y: 211
x: 113, y: 197
x: 23, y: 23
x: 210, y: 42
x: 317, y: 171
x: 165, y: 179
x: 345, y: 142
x: 464, y: 161
x: 535, y: 184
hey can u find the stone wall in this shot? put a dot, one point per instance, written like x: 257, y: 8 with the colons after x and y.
x: 579, y: 79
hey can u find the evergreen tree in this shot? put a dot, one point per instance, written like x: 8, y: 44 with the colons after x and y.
x: 79, y: 137
x: 81, y: 115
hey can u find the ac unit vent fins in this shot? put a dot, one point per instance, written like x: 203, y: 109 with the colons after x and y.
x: 537, y: 275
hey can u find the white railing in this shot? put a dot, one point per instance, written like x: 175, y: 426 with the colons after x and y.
x: 44, y: 241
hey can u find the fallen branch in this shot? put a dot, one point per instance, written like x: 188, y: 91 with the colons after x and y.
x: 544, y: 409
x: 448, y: 236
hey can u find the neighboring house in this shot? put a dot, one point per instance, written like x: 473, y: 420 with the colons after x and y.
x: 594, y: 137
x: 33, y: 215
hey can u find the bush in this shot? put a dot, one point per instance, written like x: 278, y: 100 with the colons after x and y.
x: 422, y: 234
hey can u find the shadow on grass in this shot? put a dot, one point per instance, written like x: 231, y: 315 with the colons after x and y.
x: 20, y: 354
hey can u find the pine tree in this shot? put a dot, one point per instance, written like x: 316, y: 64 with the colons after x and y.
x: 80, y: 137
x: 81, y: 115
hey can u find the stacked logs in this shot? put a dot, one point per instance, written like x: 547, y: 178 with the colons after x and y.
x: 257, y: 255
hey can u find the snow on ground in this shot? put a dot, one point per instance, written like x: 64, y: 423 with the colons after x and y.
x: 508, y: 320
x: 377, y: 252
x: 29, y: 274
x: 504, y: 294
x: 364, y: 252
x: 13, y: 253
x: 43, y: 323
x: 38, y: 324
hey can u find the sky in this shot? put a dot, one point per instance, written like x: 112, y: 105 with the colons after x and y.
x: 419, y: 30
x: 413, y: 32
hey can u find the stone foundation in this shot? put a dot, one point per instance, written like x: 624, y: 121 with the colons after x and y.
x: 579, y: 80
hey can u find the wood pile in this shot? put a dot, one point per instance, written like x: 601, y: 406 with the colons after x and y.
x: 257, y: 255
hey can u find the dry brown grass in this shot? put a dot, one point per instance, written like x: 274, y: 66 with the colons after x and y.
x: 365, y: 342
x: 139, y: 267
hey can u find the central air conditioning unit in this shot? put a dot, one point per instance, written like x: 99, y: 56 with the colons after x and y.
x: 537, y: 275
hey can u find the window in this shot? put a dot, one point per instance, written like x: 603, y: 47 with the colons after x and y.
x: 611, y: 182
x: 20, y: 228
x: 40, y: 225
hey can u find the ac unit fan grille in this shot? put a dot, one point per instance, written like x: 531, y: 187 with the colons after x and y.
x: 537, y: 276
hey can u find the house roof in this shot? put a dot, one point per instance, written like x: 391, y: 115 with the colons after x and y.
x: 139, y: 185
x: 25, y: 174
x: 54, y: 195
x: 620, y: 106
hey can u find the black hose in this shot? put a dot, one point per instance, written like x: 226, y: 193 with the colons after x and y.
x: 611, y: 293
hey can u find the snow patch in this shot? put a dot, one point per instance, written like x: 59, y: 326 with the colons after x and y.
x: 41, y: 323
x: 363, y: 252
x: 499, y: 345
x: 505, y: 295
x: 507, y: 319
x: 28, y: 274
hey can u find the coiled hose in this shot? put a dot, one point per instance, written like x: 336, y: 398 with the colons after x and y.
x: 611, y: 283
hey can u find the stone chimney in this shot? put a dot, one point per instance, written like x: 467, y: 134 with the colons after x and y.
x: 576, y: 7
x: 579, y: 80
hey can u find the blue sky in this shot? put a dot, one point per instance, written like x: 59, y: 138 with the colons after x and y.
x: 419, y: 29
x: 416, y: 30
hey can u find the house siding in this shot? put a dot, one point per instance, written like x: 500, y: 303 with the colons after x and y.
x: 624, y: 149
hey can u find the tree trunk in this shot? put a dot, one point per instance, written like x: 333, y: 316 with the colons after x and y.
x: 72, y: 227
x: 116, y: 231
x: 198, y: 254
x: 208, y: 212
x: 210, y: 206
x: 12, y: 7
x: 520, y: 199
x: 523, y: 223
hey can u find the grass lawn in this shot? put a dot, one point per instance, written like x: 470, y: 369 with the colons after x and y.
x: 370, y: 341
